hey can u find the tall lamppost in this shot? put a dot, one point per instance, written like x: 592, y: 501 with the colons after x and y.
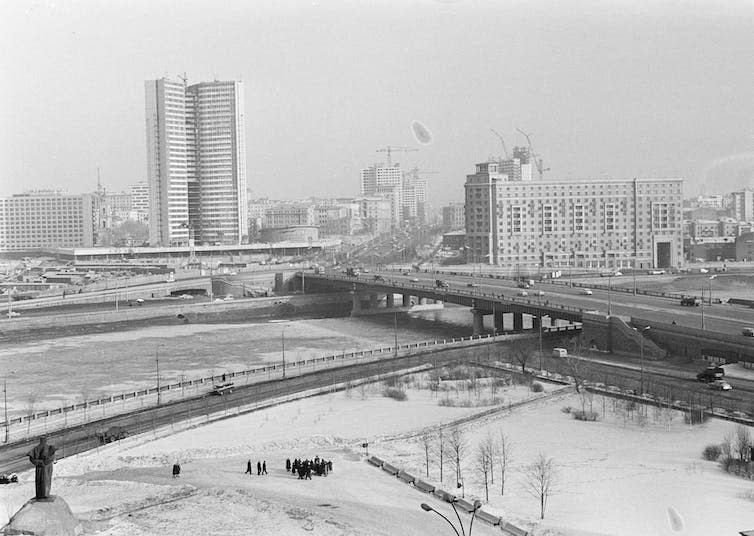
x: 477, y: 506
x: 641, y: 357
x: 5, y: 404
x: 395, y: 334
x: 609, y: 294
x: 282, y: 341
x: 157, y: 361
x: 710, y: 278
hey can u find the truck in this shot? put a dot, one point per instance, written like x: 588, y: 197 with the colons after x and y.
x: 114, y: 433
x: 439, y: 283
x: 710, y: 374
x: 691, y: 301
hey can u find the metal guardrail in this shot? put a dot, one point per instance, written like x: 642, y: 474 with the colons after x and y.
x: 456, y: 292
x: 82, y: 412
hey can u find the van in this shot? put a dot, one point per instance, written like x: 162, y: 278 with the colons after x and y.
x: 559, y: 352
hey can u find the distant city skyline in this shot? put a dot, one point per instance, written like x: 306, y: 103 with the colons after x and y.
x: 648, y: 89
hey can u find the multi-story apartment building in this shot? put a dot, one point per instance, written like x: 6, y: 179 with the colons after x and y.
x: 290, y: 214
x: 196, y: 162
x: 454, y: 217
x: 580, y: 223
x: 47, y: 219
x: 335, y: 219
x: 380, y: 180
x: 140, y: 201
x: 414, y: 201
x: 743, y: 205
x: 376, y: 214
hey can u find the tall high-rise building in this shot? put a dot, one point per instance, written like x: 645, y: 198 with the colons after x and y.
x: 386, y: 182
x: 196, y: 162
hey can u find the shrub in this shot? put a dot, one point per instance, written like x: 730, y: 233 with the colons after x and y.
x: 537, y: 387
x: 712, y: 452
x: 590, y: 416
x: 396, y: 393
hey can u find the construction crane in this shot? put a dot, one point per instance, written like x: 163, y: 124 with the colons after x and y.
x: 388, y: 149
x: 415, y: 171
x: 533, y: 156
x: 502, y: 142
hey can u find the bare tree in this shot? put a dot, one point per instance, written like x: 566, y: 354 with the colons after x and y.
x: 742, y: 441
x: 522, y: 353
x: 457, y: 446
x: 540, y: 480
x: 425, y: 441
x: 485, y: 456
x: 577, y: 369
x: 727, y: 445
x: 504, y: 455
x: 439, y: 450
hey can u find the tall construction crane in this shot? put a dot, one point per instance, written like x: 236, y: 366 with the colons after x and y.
x: 415, y: 171
x: 537, y: 160
x: 388, y: 149
x: 502, y: 142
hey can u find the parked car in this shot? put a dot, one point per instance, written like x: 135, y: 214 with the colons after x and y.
x: 472, y: 285
x: 656, y: 272
x: 703, y: 270
x: 586, y: 292
x: 720, y: 385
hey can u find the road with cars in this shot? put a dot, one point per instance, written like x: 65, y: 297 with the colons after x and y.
x: 721, y: 318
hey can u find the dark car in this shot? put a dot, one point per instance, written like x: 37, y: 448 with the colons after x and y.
x: 691, y: 301
x: 378, y: 277
x: 114, y: 433
x: 710, y: 374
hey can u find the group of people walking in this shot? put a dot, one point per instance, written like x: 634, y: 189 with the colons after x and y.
x: 261, y: 468
x: 305, y: 468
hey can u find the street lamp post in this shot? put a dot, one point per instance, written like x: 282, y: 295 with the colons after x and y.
x: 609, y: 295
x: 5, y: 399
x: 282, y: 341
x: 641, y: 358
x: 157, y: 361
x: 395, y: 334
x: 477, y: 506
x: 710, y: 297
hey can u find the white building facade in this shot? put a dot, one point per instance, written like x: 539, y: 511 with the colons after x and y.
x: 587, y: 223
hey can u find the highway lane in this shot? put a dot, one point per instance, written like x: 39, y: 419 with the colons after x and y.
x: 81, y: 438
x: 722, y: 318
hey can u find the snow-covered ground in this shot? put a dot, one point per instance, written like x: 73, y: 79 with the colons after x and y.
x: 623, y: 475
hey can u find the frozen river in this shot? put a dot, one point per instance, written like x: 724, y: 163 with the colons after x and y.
x: 56, y: 372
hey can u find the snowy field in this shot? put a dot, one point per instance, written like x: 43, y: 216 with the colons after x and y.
x: 623, y: 475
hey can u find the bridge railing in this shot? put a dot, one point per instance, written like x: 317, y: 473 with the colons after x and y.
x: 473, y: 294
x: 115, y: 404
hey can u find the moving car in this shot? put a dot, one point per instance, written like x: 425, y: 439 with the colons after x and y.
x: 711, y: 374
x: 414, y: 280
x: 656, y: 272
x: 586, y: 292
x: 523, y: 293
x: 114, y: 433
x: 539, y: 293
x: 747, y: 332
x: 559, y: 352
x: 691, y: 301
x: 222, y: 388
x: 720, y: 385
x: 439, y: 283
x: 378, y: 277
x: 472, y: 285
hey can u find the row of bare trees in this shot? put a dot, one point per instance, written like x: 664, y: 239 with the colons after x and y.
x: 492, y: 457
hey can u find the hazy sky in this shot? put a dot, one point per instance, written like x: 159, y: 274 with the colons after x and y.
x: 622, y: 89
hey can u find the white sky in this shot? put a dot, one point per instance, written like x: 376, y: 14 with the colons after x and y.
x: 621, y: 88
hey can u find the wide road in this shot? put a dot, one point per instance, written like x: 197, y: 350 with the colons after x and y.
x: 720, y: 318
x: 81, y: 438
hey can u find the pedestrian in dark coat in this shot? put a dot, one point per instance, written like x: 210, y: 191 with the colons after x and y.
x: 176, y: 470
x: 264, y: 467
x: 259, y: 468
x: 248, y: 467
x: 288, y: 464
